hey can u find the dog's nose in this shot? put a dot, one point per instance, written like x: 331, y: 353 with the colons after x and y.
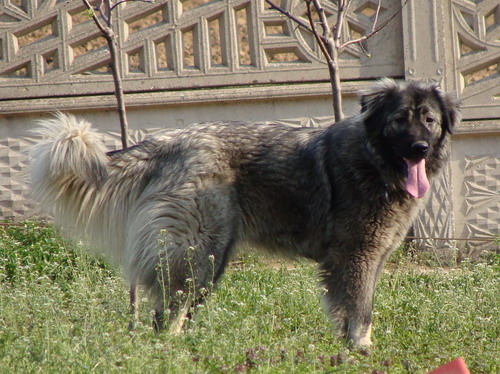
x: 420, y: 148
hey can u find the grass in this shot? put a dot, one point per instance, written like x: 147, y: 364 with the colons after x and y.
x: 62, y: 311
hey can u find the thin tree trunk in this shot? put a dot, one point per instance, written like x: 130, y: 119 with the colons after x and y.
x: 117, y: 79
x: 115, y: 65
x: 330, y: 50
x: 333, y: 69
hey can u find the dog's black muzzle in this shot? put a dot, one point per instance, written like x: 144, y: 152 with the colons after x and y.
x: 419, y: 150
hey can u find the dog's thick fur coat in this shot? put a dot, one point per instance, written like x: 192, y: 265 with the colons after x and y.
x: 171, y: 209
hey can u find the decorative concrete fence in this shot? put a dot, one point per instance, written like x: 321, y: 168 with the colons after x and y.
x: 198, y: 60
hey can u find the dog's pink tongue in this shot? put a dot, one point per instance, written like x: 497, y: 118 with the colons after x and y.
x: 417, y: 183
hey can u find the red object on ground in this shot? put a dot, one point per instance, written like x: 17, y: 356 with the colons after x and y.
x: 454, y: 367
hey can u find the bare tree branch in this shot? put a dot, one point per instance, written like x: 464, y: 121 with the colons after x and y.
x: 330, y: 40
x: 111, y: 38
x: 290, y: 16
x: 109, y: 16
x: 328, y: 46
x: 374, y: 31
x: 101, y: 14
x: 317, y: 36
x: 377, y: 12
x: 322, y: 18
x: 337, y: 28
x: 92, y: 14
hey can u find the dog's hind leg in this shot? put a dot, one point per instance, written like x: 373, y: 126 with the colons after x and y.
x: 187, y: 282
x: 183, y: 294
x: 200, y: 231
x: 134, y: 305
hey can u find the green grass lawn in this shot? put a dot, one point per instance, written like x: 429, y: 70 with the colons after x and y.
x: 62, y: 311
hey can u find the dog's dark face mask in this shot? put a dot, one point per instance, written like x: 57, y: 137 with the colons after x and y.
x: 413, y: 130
x: 408, y: 123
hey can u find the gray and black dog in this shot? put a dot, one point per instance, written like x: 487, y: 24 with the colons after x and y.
x: 172, y: 209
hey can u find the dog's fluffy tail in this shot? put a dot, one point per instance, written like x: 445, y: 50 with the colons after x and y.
x: 68, y: 170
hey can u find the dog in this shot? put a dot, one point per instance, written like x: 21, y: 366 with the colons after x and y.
x: 172, y: 209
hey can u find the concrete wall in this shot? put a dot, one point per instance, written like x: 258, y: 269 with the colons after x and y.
x: 465, y: 205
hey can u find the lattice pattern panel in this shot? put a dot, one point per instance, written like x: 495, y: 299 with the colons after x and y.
x: 482, y: 199
x: 436, y: 220
x: 476, y: 34
x: 52, y: 48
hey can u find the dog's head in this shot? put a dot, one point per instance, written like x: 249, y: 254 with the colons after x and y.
x: 409, y: 123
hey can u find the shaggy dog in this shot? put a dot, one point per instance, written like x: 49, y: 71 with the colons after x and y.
x: 172, y: 209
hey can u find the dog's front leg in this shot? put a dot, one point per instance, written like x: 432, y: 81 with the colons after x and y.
x: 350, y: 286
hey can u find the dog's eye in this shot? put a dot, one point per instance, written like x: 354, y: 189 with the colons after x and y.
x: 429, y: 120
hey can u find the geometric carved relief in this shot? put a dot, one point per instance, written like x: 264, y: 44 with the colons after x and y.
x: 305, y: 122
x: 482, y: 199
x: 112, y: 139
x: 13, y: 178
x: 476, y: 34
x: 436, y: 220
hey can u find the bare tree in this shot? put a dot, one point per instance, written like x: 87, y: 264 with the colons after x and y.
x: 330, y: 38
x: 102, y: 14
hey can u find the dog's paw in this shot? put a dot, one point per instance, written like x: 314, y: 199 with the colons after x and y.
x: 359, y: 338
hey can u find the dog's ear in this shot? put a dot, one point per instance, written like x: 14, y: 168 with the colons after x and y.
x: 450, y: 109
x: 376, y: 101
